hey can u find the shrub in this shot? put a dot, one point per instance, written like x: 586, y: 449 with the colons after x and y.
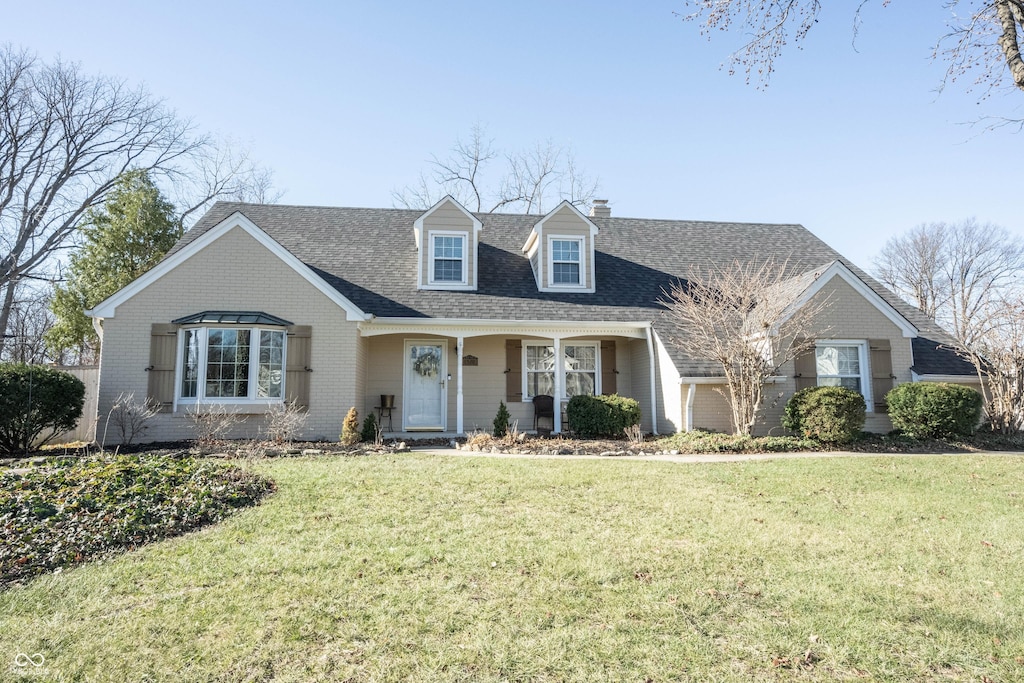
x: 591, y: 416
x: 350, y: 428
x: 76, y: 510
x: 501, y: 420
x: 33, y: 400
x: 369, y: 431
x: 923, y: 409
x: 828, y: 414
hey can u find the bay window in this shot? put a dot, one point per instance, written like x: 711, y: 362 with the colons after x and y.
x: 231, y: 364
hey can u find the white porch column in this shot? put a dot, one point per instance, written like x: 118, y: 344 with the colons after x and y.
x: 559, y: 385
x: 458, y: 392
x: 654, y: 380
x: 690, y: 393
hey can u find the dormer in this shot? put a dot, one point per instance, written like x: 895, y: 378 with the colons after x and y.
x: 561, y: 251
x: 447, y: 235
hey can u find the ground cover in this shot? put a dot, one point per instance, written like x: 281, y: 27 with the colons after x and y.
x: 419, y: 567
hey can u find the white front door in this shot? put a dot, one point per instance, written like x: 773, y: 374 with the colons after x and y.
x: 425, y: 386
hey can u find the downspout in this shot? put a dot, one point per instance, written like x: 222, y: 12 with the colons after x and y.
x: 690, y: 393
x: 649, y: 332
x: 98, y: 329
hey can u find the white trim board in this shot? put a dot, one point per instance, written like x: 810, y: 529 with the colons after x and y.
x: 108, y: 307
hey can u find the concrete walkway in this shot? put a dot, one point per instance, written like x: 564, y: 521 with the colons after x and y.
x: 705, y: 458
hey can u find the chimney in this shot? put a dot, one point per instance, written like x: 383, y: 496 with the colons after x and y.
x: 600, y: 209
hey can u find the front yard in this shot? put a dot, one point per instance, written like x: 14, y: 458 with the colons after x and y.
x: 427, y: 568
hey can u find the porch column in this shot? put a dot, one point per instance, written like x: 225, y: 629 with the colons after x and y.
x: 559, y: 382
x: 654, y: 380
x: 690, y: 393
x: 458, y: 391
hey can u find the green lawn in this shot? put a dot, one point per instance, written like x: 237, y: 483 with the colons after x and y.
x: 424, y: 568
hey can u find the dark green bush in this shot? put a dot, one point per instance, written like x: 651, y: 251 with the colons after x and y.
x: 368, y: 434
x: 591, y: 416
x: 923, y: 409
x: 62, y: 515
x: 501, y: 420
x: 827, y: 414
x: 36, y: 404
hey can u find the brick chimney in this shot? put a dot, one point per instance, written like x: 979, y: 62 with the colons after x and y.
x: 600, y: 209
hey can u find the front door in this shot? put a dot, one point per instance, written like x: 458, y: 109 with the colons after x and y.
x: 425, y: 386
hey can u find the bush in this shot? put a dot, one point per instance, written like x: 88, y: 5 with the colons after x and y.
x: 591, y: 416
x: 368, y: 433
x: 350, y: 428
x: 829, y: 414
x: 501, y: 420
x: 79, y: 509
x: 923, y: 409
x: 34, y: 399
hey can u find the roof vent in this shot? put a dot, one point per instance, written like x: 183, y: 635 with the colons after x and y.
x: 600, y: 209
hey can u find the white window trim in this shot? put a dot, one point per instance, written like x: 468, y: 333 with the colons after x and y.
x: 582, y: 284
x: 254, y: 362
x: 448, y: 284
x: 865, y: 370
x: 560, y: 365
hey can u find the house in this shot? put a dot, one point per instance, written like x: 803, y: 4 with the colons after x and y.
x: 451, y: 312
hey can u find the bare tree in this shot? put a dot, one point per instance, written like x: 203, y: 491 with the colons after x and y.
x: 997, y: 352
x: 65, y: 137
x: 954, y: 272
x: 29, y: 319
x: 984, y: 37
x: 749, y: 319
x: 529, y: 179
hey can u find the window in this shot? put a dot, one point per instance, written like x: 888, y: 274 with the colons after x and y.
x: 843, y: 364
x: 232, y: 364
x: 580, y: 370
x: 540, y: 370
x: 565, y: 262
x: 578, y: 363
x: 447, y: 261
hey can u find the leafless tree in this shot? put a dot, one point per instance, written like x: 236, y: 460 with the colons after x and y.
x: 529, y: 180
x: 65, y: 137
x: 749, y: 319
x: 28, y: 321
x: 984, y: 37
x: 998, y: 353
x: 954, y: 272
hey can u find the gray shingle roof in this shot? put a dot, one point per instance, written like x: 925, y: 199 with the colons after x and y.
x: 369, y: 256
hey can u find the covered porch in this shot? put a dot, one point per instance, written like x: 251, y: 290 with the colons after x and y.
x: 449, y: 377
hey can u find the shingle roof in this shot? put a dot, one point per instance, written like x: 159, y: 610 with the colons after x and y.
x: 369, y: 256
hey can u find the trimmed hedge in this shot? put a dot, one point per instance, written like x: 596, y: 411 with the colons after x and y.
x: 77, y: 510
x: 829, y: 414
x: 591, y: 416
x: 923, y: 409
x: 35, y: 399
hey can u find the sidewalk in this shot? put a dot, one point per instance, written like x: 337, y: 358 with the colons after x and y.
x: 702, y: 458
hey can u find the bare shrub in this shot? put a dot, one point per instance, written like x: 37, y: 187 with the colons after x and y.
x: 211, y: 423
x: 129, y: 418
x: 285, y: 421
x: 635, y: 434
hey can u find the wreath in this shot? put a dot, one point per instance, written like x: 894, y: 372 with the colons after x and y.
x: 427, y: 365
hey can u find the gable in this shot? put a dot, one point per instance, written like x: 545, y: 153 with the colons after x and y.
x: 203, y: 262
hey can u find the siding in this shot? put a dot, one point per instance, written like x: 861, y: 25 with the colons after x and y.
x: 670, y: 416
x: 640, y: 371
x: 234, y: 273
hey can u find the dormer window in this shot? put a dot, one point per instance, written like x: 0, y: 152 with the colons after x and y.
x: 566, y: 266
x: 561, y: 251
x: 447, y: 256
x: 447, y: 241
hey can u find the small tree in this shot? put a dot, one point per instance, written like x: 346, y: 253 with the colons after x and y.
x: 35, y: 399
x: 368, y: 434
x: 350, y: 428
x: 501, y: 420
x: 746, y: 318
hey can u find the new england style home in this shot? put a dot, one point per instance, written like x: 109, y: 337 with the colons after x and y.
x: 451, y: 312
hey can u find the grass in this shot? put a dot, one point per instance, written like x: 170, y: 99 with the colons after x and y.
x: 449, y: 569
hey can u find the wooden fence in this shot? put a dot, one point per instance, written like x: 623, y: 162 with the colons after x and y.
x: 86, y: 428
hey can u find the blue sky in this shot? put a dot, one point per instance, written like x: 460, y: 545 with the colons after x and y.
x: 346, y: 101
